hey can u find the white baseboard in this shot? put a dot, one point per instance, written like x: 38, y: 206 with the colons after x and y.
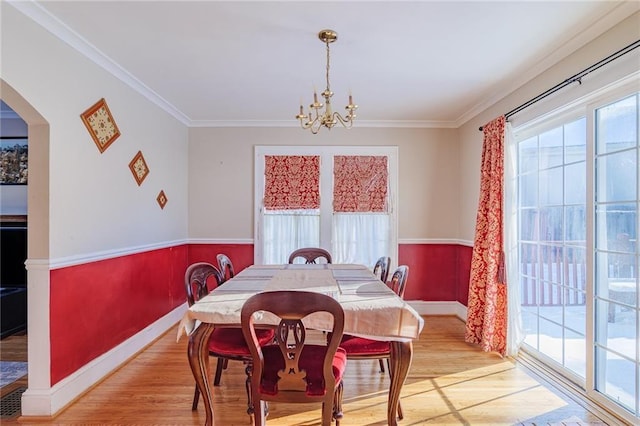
x: 47, y: 402
x: 439, y: 308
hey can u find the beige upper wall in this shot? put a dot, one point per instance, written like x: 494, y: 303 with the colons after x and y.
x: 470, y: 138
x: 89, y: 199
x: 221, y: 176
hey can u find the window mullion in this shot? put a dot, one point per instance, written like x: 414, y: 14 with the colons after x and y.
x: 326, y: 201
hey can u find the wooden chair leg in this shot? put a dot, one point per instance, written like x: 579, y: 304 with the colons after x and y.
x: 259, y: 416
x: 381, y: 365
x: 327, y: 413
x: 337, y: 404
x: 247, y: 384
x: 196, y: 398
x: 219, y: 368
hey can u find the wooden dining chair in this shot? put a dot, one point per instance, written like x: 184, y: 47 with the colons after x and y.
x: 226, y: 270
x: 310, y: 255
x: 359, y: 348
x: 224, y: 343
x: 225, y: 266
x: 381, y: 268
x: 294, y: 370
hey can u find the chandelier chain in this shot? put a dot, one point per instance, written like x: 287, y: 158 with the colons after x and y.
x: 328, y: 60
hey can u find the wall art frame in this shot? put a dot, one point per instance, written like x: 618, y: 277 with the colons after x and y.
x: 139, y: 168
x: 101, y: 125
x: 162, y: 199
x: 14, y: 160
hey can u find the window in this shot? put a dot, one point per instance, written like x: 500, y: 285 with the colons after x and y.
x: 578, y: 200
x: 338, y: 198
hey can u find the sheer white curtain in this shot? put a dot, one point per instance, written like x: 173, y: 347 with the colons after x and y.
x: 360, y: 237
x: 515, y: 333
x: 287, y: 230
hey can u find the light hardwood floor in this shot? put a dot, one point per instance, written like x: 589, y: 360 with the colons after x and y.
x: 449, y: 383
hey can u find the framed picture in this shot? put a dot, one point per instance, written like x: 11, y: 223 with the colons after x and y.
x: 162, y: 199
x: 14, y: 155
x: 101, y: 125
x: 139, y: 168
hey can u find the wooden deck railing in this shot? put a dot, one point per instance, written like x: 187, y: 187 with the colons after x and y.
x: 559, y: 273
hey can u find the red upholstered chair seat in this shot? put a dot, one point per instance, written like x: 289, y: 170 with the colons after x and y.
x: 356, y: 346
x: 312, y: 356
x: 230, y: 341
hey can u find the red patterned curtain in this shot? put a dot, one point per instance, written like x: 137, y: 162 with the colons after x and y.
x: 360, y: 183
x: 292, y: 182
x: 487, y: 307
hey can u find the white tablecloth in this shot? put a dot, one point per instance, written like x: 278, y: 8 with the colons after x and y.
x: 371, y: 308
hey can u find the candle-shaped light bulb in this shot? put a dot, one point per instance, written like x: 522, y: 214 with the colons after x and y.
x: 315, y: 97
x: 301, y: 110
x: 350, y: 99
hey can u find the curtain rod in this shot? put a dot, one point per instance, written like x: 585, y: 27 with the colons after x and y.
x: 574, y: 78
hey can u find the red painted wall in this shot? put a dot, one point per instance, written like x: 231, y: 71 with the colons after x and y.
x: 437, y: 272
x: 241, y: 255
x: 464, y: 271
x: 432, y: 271
x: 97, y: 306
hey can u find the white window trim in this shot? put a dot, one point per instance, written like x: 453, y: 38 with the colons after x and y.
x: 326, y: 153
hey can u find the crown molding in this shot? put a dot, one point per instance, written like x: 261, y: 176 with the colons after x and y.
x: 410, y: 124
x: 41, y: 16
x: 617, y: 13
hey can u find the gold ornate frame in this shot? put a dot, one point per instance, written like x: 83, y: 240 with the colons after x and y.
x: 162, y: 199
x: 139, y: 168
x: 101, y: 125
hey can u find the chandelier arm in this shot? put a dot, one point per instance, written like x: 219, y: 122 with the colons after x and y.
x: 315, y: 126
x: 346, y: 122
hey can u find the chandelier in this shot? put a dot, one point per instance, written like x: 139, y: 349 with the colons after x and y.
x: 318, y: 118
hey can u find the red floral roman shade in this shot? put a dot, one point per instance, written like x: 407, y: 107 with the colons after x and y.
x: 360, y: 183
x: 292, y: 182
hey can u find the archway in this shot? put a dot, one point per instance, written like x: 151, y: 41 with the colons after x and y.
x: 36, y: 400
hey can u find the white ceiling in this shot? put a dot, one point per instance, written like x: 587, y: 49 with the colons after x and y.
x: 409, y: 63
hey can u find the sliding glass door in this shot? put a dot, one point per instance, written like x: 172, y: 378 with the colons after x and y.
x: 617, y: 371
x: 578, y: 202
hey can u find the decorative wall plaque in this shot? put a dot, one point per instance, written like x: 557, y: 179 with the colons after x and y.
x: 162, y: 199
x: 139, y: 168
x: 101, y: 125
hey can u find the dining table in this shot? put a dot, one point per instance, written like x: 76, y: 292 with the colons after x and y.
x: 371, y: 309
